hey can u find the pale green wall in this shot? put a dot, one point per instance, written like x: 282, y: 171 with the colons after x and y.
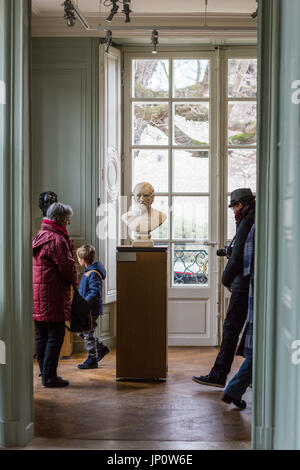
x: 276, y: 417
x: 65, y: 131
x: 287, y: 384
x: 65, y: 127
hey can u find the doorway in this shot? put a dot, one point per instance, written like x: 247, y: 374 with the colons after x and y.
x: 190, y: 131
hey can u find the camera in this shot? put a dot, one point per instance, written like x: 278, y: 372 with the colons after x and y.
x: 226, y: 251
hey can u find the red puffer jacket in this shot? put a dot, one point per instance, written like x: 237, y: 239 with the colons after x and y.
x: 53, y: 273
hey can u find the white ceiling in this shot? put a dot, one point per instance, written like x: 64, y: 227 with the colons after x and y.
x: 146, y: 7
x: 179, y: 21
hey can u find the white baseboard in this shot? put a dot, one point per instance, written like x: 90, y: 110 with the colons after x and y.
x: 263, y: 438
x: 190, y: 340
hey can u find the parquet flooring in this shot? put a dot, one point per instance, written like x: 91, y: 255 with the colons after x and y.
x: 96, y: 407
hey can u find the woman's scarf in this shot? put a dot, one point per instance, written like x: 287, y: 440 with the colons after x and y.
x: 61, y: 228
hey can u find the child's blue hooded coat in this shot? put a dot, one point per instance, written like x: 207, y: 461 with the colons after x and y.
x: 90, y: 287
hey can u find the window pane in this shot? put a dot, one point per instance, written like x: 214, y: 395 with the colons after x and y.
x: 150, y: 123
x: 191, y: 124
x: 190, y: 264
x: 190, y: 217
x: 231, y: 225
x: 241, y: 169
x: 150, y: 79
x: 190, y: 171
x: 191, y: 78
x: 242, y: 123
x: 151, y: 166
x: 161, y: 233
x: 242, y: 78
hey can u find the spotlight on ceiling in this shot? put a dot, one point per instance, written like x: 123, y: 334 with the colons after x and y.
x: 108, y: 40
x: 113, y: 11
x: 154, y: 40
x: 69, y: 14
x: 126, y: 10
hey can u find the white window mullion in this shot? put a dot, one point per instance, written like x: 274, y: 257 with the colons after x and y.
x: 170, y: 199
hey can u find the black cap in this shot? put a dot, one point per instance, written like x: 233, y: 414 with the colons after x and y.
x: 241, y: 195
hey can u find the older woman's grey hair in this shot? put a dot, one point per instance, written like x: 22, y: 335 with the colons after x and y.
x: 59, y: 213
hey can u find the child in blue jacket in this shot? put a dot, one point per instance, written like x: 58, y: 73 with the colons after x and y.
x: 90, y: 289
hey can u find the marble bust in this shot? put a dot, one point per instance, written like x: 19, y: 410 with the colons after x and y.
x: 143, y: 219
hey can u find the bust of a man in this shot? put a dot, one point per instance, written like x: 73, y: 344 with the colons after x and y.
x: 143, y: 219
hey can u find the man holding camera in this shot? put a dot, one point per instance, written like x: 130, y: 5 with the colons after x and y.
x: 242, y: 202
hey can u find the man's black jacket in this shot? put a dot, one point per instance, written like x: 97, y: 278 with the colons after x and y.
x: 233, y: 272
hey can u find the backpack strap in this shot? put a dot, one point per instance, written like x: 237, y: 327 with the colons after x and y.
x: 93, y: 271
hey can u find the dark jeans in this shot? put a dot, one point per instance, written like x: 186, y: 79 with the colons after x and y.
x: 240, y: 382
x: 233, y: 325
x: 49, y: 338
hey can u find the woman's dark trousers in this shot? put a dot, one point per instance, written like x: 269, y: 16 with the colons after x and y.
x: 233, y: 325
x: 49, y: 338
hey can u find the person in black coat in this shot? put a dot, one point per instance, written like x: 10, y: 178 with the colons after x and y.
x: 240, y: 382
x: 243, y: 204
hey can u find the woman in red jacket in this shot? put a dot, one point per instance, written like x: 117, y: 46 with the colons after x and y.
x: 54, y: 272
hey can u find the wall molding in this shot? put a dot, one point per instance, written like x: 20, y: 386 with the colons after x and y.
x: 185, y: 340
x: 16, y: 376
x: 266, y: 248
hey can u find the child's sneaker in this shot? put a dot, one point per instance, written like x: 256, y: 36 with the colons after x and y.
x: 102, y: 352
x: 89, y: 363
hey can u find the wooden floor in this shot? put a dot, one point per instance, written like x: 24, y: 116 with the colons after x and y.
x: 97, y: 412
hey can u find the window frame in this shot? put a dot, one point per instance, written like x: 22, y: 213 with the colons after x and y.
x: 233, y: 53
x: 218, y: 145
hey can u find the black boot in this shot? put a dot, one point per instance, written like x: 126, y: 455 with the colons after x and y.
x: 54, y: 382
x: 238, y: 403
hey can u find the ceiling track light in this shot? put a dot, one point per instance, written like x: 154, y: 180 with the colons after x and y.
x: 154, y: 40
x: 254, y: 14
x: 72, y: 14
x: 69, y: 14
x: 126, y: 10
x: 108, y: 40
x: 113, y: 11
x: 115, y: 7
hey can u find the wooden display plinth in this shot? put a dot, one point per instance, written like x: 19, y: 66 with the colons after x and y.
x: 141, y: 313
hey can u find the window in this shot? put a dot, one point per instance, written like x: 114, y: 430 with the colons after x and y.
x: 241, y: 127
x: 176, y: 136
x: 170, y: 148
